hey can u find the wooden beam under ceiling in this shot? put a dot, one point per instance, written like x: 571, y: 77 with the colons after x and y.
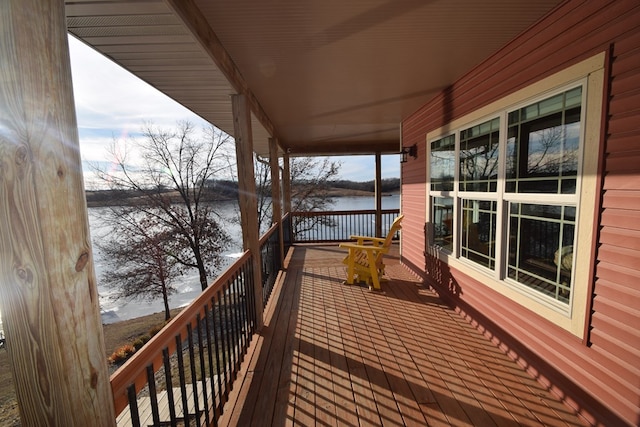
x: 204, y: 34
x: 346, y: 147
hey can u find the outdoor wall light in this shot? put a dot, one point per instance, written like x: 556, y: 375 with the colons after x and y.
x: 408, y: 151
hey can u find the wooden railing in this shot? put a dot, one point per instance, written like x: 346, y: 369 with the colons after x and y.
x: 194, y: 360
x: 270, y: 260
x: 337, y: 226
x: 185, y: 372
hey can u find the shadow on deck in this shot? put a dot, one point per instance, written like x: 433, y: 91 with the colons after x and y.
x: 334, y: 354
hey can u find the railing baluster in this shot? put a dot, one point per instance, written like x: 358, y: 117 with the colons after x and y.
x: 239, y: 316
x: 232, y: 332
x: 203, y: 371
x: 235, y: 320
x: 183, y: 382
x: 228, y: 337
x: 169, y: 384
x: 239, y: 308
x: 194, y: 378
x: 247, y: 281
x: 216, y: 343
x: 332, y: 232
x: 133, y: 405
x: 153, y: 395
x: 212, y: 377
x: 223, y: 340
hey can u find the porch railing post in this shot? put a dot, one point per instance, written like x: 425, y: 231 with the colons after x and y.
x: 247, y: 194
x: 286, y: 190
x: 378, y: 193
x: 276, y: 197
x: 47, y: 279
x: 286, y: 183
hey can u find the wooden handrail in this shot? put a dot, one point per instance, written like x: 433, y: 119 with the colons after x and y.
x: 359, y: 212
x: 134, y: 370
x: 269, y: 233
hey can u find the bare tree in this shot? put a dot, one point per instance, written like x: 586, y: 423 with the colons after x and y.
x: 310, y: 184
x: 170, y: 183
x: 479, y: 163
x: 263, y: 190
x: 138, y: 252
x: 544, y: 152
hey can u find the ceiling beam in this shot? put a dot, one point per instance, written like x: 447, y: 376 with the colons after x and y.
x: 347, y: 147
x: 204, y: 34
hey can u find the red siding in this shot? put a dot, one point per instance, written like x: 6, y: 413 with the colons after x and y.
x: 413, y: 198
x: 600, y: 376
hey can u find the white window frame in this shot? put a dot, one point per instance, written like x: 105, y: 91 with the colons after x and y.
x: 590, y: 75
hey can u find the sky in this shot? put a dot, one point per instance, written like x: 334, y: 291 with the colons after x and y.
x: 112, y: 103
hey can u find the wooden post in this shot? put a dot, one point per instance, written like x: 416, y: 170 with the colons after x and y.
x: 286, y: 183
x: 248, y: 199
x: 378, y: 194
x: 48, y: 294
x: 276, y: 199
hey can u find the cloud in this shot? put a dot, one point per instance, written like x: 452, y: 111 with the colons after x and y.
x: 363, y: 168
x: 113, y: 103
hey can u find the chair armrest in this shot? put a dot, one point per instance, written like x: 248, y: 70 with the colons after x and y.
x: 367, y: 239
x: 364, y: 247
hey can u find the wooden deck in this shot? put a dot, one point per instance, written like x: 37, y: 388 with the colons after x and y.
x: 337, y: 355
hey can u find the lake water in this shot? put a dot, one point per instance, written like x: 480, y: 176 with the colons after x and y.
x: 188, y: 286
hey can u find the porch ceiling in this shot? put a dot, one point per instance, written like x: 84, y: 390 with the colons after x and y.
x: 330, y: 77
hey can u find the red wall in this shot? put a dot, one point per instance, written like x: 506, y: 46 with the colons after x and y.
x: 413, y: 198
x: 600, y: 376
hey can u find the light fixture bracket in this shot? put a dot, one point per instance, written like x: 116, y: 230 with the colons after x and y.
x: 408, y: 151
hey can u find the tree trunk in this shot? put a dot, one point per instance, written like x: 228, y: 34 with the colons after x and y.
x: 165, y: 300
x: 203, y: 273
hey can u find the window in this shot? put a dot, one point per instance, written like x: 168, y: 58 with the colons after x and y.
x: 542, y: 145
x: 442, y: 163
x: 511, y: 193
x: 517, y: 184
x: 541, y: 247
x: 443, y: 222
x: 478, y: 237
x: 479, y: 157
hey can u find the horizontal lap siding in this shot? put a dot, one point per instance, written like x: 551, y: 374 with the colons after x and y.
x: 607, y: 367
x: 413, y: 196
x: 615, y: 326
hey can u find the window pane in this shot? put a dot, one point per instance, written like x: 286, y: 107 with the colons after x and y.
x: 542, y: 145
x: 479, y: 232
x: 541, y: 248
x: 442, y: 163
x: 442, y: 218
x: 479, y: 157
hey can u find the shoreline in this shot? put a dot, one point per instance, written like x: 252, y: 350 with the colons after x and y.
x: 110, y: 198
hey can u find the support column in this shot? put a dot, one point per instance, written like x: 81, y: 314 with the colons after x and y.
x: 378, y: 194
x: 248, y: 200
x: 286, y: 183
x: 48, y: 294
x: 276, y: 199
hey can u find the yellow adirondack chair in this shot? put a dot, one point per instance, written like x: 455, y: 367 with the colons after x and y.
x: 365, y: 256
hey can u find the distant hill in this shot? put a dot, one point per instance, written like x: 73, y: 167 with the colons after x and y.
x: 228, y: 190
x: 391, y: 185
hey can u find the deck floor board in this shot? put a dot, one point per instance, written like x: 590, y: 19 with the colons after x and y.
x: 340, y: 355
